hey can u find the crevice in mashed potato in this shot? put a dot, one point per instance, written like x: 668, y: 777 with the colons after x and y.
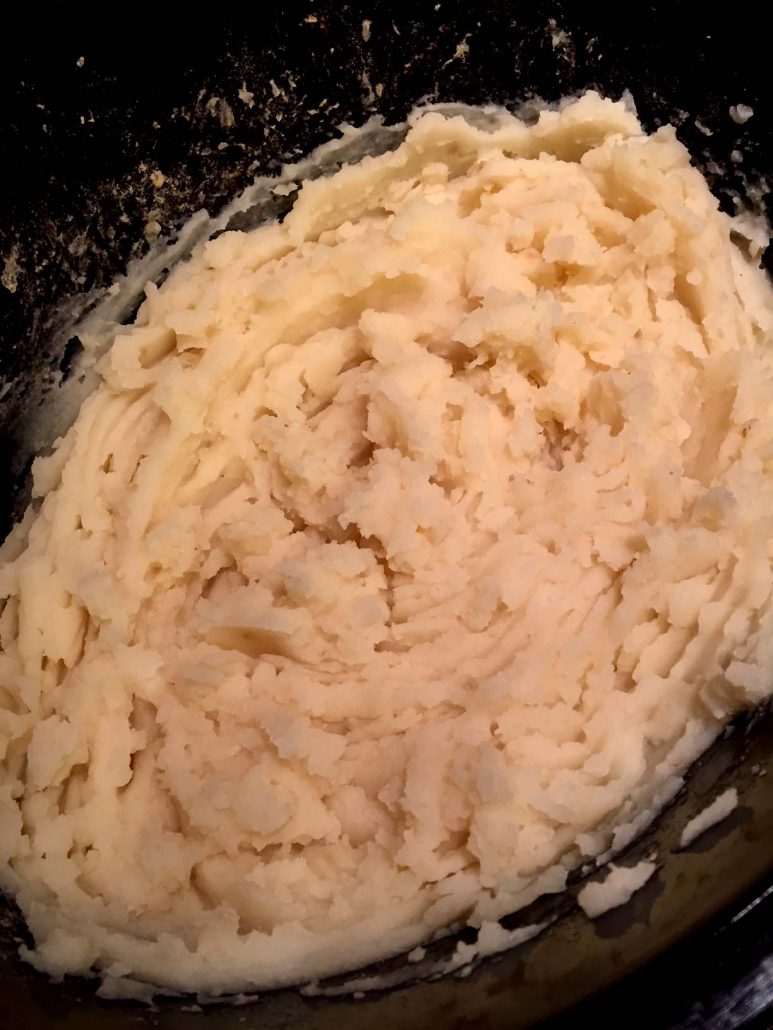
x: 406, y: 555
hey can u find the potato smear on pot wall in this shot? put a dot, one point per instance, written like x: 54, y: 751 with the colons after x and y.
x: 407, y: 549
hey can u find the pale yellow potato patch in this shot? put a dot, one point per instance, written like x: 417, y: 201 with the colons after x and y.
x: 408, y: 553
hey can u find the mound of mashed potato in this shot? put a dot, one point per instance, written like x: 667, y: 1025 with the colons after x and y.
x: 407, y: 551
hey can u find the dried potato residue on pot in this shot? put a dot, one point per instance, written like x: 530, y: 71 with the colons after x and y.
x: 408, y: 548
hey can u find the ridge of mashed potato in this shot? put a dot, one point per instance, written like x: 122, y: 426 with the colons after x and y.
x: 407, y: 549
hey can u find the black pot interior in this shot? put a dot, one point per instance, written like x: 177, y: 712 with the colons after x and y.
x: 91, y: 112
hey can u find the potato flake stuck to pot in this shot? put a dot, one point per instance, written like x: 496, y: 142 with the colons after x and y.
x: 407, y: 550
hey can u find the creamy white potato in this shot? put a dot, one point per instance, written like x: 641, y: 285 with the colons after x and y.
x: 407, y: 551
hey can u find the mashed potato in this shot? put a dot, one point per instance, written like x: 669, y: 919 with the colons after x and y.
x: 407, y: 549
